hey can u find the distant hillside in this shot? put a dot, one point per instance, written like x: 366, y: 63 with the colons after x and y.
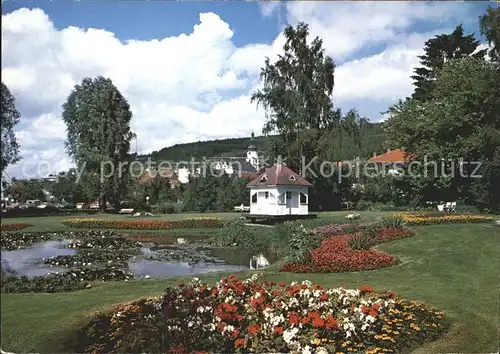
x: 372, y: 138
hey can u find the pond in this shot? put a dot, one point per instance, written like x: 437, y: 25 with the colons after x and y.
x: 114, y: 258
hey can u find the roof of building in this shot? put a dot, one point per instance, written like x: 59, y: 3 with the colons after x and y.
x: 149, y: 176
x: 392, y: 156
x: 243, y: 166
x: 279, y: 175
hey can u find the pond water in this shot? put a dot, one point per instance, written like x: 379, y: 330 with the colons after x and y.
x: 29, y: 261
x: 25, y: 261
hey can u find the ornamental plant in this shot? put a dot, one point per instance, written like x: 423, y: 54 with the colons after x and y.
x: 145, y: 224
x: 254, y: 316
x: 14, y: 226
x: 443, y: 218
x: 345, y: 253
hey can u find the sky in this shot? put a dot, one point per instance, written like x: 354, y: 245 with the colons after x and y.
x: 188, y: 69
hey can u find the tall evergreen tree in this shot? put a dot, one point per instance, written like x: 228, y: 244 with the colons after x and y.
x: 10, y: 118
x: 438, y: 51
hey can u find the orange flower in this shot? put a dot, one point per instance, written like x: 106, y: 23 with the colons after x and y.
x: 331, y: 322
x: 240, y: 342
x: 318, y: 322
x: 253, y: 329
x: 367, y: 289
x: 278, y: 330
x: 294, y: 318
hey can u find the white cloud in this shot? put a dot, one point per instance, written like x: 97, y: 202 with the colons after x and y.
x: 197, y: 85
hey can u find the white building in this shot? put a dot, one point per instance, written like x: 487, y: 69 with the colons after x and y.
x: 279, y: 191
x: 252, y: 154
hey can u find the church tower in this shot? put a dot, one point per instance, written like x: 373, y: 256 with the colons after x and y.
x: 252, y: 155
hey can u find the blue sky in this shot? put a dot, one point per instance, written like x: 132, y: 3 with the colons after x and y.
x: 188, y: 68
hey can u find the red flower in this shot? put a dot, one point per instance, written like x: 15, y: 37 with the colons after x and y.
x: 318, y: 322
x: 376, y: 307
x: 331, y: 322
x: 294, y: 318
x: 367, y: 289
x: 253, y: 329
x: 236, y: 333
x: 323, y: 297
x: 240, y: 342
x: 278, y: 330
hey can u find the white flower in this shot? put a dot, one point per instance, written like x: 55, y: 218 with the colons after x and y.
x: 289, y: 334
x: 321, y: 350
x: 190, y: 324
x: 306, y: 350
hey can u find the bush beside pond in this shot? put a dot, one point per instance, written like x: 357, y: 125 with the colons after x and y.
x: 146, y: 224
x: 253, y: 316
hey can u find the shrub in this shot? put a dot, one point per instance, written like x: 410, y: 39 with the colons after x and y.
x: 14, y: 226
x: 301, y: 242
x: 169, y: 208
x: 363, y: 240
x: 234, y: 233
x: 249, y: 316
x: 392, y: 221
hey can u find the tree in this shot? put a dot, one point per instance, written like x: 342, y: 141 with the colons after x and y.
x: 490, y: 29
x: 24, y: 190
x: 10, y: 118
x: 297, y: 92
x: 97, y: 119
x: 438, y: 51
x: 456, y: 128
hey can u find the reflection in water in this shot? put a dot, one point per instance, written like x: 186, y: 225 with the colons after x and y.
x: 23, y: 261
x: 28, y: 261
x: 156, y: 269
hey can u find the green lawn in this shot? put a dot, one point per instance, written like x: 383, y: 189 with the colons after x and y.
x: 452, y: 267
x: 54, y: 223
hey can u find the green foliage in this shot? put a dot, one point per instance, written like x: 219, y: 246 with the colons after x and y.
x: 363, y: 240
x: 211, y: 193
x: 97, y: 118
x: 236, y: 233
x: 490, y: 29
x: 458, y: 123
x: 392, y: 221
x: 24, y: 190
x: 301, y: 241
x: 438, y: 51
x: 10, y: 118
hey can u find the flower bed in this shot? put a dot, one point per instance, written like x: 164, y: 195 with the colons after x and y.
x: 188, y: 223
x: 442, y: 218
x: 263, y: 317
x: 336, y: 255
x: 14, y: 226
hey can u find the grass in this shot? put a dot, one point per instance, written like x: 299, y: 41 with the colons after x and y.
x: 452, y: 267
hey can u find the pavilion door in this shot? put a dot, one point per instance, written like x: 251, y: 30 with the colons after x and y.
x: 289, y: 202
